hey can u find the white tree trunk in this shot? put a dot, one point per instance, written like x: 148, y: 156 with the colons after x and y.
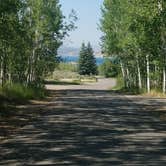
x: 139, y: 75
x: 128, y: 77
x: 122, y: 69
x: 1, y: 74
x: 123, y: 73
x: 32, y: 65
x: 156, y: 79
x: 10, y: 78
x: 164, y: 80
x: 148, y: 73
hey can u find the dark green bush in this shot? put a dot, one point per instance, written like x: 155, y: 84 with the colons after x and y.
x: 108, y: 69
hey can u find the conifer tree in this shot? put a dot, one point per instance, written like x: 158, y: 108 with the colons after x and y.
x: 87, y: 62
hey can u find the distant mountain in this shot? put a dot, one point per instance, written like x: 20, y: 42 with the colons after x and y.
x: 71, y: 51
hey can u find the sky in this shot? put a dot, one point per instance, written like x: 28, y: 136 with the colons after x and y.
x: 88, y: 13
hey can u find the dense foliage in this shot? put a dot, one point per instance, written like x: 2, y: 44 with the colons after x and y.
x: 87, y: 62
x: 135, y: 31
x: 31, y: 31
x: 109, y: 68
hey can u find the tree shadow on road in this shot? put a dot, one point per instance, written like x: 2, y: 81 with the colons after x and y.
x: 88, y: 127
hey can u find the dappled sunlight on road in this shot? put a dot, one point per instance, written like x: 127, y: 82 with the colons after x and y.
x: 89, y: 127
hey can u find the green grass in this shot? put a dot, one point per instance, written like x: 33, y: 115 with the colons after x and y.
x: 119, y: 83
x: 61, y: 77
x: 154, y: 93
x: 59, y: 82
x: 13, y: 94
x: 59, y: 74
x: 71, y: 81
x: 19, y: 93
x: 120, y: 88
x: 92, y: 80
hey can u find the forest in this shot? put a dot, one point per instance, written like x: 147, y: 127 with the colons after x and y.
x: 135, y: 33
x: 30, y: 34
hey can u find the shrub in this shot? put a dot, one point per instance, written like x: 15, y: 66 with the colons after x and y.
x: 67, y: 67
x: 108, y: 69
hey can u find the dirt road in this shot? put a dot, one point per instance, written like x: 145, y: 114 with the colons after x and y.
x: 102, y: 84
x: 88, y: 125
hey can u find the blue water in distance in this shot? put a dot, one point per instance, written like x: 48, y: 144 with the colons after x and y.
x: 67, y: 59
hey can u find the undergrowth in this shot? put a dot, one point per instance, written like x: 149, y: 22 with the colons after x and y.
x: 19, y: 92
x: 120, y: 88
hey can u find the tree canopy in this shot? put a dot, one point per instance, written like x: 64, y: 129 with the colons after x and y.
x: 30, y: 34
x: 135, y: 32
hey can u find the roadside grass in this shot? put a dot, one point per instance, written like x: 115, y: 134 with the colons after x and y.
x: 154, y: 93
x: 119, y: 84
x: 61, y: 74
x: 91, y: 79
x: 127, y: 91
x: 17, y: 93
x: 64, y: 77
x: 59, y: 82
x: 120, y: 88
x: 71, y: 81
